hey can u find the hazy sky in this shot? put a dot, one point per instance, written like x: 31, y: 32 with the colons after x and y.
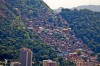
x: 54, y: 4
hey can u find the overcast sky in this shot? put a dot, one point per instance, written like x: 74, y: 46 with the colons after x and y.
x: 54, y: 4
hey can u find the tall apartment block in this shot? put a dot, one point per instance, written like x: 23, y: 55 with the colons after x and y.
x: 25, y: 57
x: 49, y: 63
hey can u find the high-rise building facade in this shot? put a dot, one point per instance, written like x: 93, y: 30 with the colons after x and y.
x: 25, y: 57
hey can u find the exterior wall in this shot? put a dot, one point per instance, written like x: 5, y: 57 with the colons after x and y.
x: 51, y: 64
x: 45, y: 62
x: 30, y: 58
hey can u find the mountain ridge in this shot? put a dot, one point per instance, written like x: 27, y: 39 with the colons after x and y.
x: 95, y: 8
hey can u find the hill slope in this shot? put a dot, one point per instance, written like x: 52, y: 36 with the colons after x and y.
x: 38, y: 16
x: 34, y: 25
x: 86, y: 25
x: 14, y: 34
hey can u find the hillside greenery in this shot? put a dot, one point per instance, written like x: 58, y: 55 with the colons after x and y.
x: 86, y: 26
x: 14, y: 34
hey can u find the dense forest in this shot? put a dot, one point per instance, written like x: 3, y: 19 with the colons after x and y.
x: 86, y: 26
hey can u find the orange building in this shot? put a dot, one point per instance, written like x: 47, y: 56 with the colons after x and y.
x: 49, y: 63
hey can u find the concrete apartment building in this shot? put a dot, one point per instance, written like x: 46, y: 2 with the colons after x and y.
x: 25, y: 57
x: 49, y: 63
